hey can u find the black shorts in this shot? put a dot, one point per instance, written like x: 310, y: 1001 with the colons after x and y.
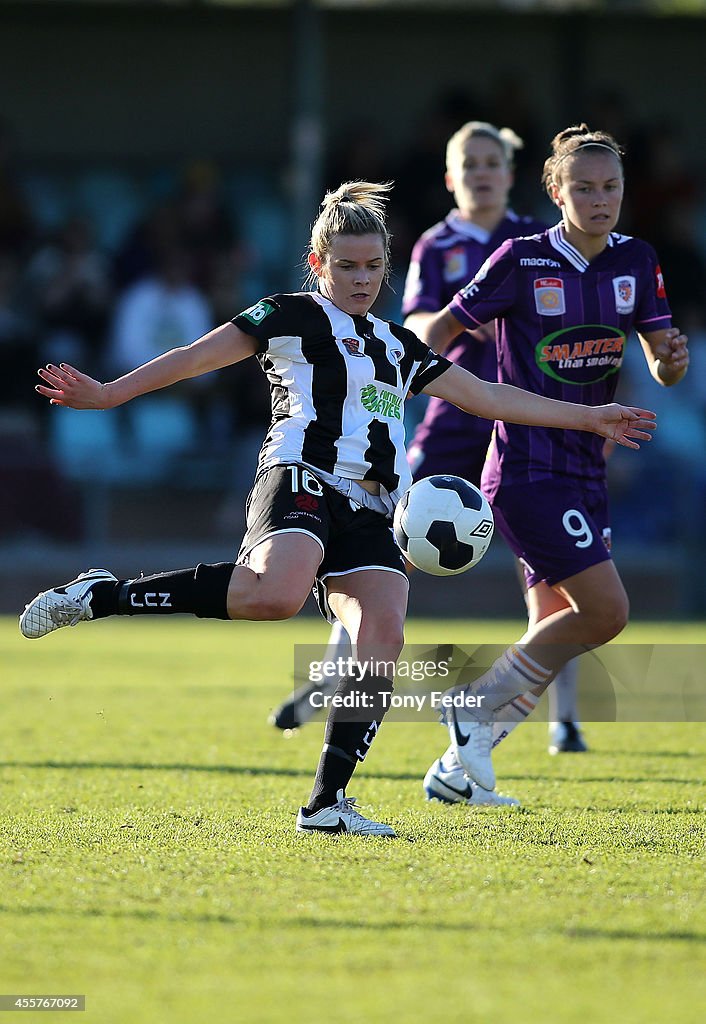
x: 291, y: 499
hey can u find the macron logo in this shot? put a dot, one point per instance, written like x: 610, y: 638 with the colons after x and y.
x: 538, y: 262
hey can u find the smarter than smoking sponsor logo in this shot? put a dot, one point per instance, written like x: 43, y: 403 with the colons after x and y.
x: 581, y: 355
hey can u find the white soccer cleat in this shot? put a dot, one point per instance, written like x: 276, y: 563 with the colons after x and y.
x: 472, y: 741
x: 452, y: 786
x: 341, y: 817
x: 62, y: 606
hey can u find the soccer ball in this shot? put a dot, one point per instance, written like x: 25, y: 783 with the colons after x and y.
x: 443, y: 525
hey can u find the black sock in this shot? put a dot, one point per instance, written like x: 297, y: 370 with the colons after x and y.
x: 349, y: 733
x: 202, y: 591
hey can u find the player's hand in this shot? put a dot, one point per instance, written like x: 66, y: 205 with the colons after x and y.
x: 65, y: 385
x: 624, y: 424
x: 673, y: 353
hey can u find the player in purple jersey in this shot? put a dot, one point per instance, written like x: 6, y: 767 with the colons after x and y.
x: 479, y: 174
x: 331, y: 467
x: 565, y: 302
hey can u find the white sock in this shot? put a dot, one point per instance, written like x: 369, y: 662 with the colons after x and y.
x: 510, y: 716
x: 509, y: 677
x: 563, y: 694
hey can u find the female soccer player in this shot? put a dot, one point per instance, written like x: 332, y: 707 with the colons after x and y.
x: 331, y: 468
x: 565, y: 302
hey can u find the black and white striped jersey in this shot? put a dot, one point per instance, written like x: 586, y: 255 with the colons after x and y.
x: 338, y: 384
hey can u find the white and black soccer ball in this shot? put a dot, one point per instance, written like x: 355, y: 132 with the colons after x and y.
x: 443, y: 525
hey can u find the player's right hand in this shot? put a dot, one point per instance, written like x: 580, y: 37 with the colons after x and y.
x: 65, y: 385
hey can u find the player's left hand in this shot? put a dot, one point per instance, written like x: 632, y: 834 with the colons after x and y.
x: 673, y: 352
x: 624, y: 424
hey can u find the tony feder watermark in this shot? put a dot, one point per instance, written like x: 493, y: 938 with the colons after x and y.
x: 617, y: 682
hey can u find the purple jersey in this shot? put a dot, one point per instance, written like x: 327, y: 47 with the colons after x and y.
x: 562, y: 325
x: 447, y: 256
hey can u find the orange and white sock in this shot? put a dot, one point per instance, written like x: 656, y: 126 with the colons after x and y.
x: 509, y: 677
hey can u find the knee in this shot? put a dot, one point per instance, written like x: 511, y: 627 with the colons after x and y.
x: 281, y: 606
x: 610, y: 618
x: 384, y: 629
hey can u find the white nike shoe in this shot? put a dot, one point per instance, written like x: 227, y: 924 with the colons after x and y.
x: 341, y: 817
x: 452, y: 786
x: 63, y: 606
x: 472, y: 740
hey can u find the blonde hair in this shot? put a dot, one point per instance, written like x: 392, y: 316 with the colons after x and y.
x: 568, y: 143
x: 355, y: 208
x: 508, y: 140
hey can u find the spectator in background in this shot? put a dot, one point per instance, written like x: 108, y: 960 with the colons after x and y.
x: 665, y: 180
x: 35, y: 498
x: 683, y: 263
x: 359, y: 152
x: 16, y: 223
x: 420, y: 196
x: 69, y: 287
x: 510, y: 103
x: 138, y: 256
x: 18, y: 340
x: 158, y: 312
x: 204, y: 223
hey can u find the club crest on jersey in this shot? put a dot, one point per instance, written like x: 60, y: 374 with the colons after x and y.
x: 549, y: 296
x: 352, y: 347
x: 455, y: 264
x: 624, y: 288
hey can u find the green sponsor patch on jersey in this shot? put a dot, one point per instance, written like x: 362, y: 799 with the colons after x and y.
x: 385, y: 403
x: 257, y: 313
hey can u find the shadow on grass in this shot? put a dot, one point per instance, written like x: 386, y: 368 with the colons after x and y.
x: 232, y: 769
x: 348, y: 924
x: 224, y: 769
x: 275, y: 922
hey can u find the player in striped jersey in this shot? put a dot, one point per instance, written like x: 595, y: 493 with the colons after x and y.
x: 331, y: 468
x: 564, y: 302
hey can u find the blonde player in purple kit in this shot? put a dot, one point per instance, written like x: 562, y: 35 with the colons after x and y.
x: 565, y: 302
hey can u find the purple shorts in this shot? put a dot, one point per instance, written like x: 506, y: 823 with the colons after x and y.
x: 556, y: 528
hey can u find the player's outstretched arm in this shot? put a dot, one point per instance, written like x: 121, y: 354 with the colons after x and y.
x: 65, y: 385
x: 624, y: 425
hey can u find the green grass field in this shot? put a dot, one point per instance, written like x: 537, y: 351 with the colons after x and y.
x: 148, y: 857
